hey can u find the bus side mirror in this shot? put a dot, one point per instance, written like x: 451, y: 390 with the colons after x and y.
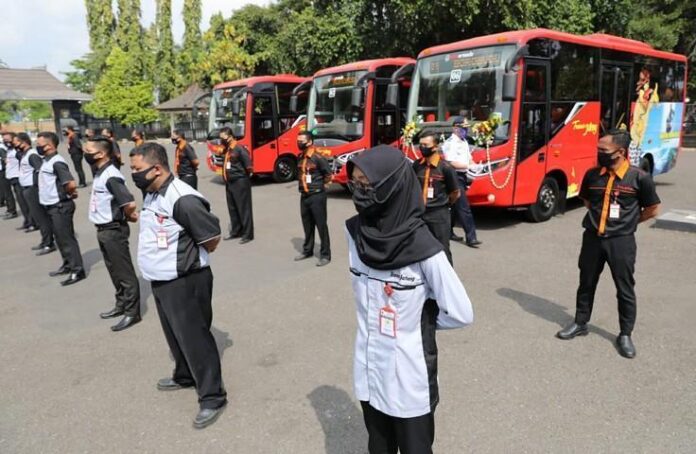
x: 392, y: 95
x: 238, y: 131
x: 510, y: 86
x: 293, y: 104
x: 356, y: 97
x: 235, y: 107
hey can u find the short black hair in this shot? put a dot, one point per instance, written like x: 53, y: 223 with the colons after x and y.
x: 307, y: 134
x: 139, y: 133
x: 429, y: 133
x: 227, y: 130
x: 109, y: 131
x: 179, y: 133
x: 102, y: 143
x: 50, y: 136
x: 24, y: 137
x: 70, y: 128
x: 153, y: 153
x: 8, y: 133
x: 620, y: 137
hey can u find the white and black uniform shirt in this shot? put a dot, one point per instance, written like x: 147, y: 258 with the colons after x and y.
x: 12, y: 162
x: 174, y: 222
x: 109, y: 196
x: 395, y: 365
x: 29, y: 167
x: 53, y: 177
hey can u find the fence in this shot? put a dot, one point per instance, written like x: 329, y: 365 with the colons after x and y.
x: 193, y: 130
x: 690, y: 127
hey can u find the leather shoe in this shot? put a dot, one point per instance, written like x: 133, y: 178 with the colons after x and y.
x: 231, y: 237
x: 73, y: 279
x: 59, y: 272
x: 572, y: 330
x: 30, y: 229
x: 302, y: 257
x: 9, y: 216
x: 207, y: 416
x: 24, y: 227
x: 323, y: 261
x: 245, y: 240
x: 474, y: 244
x: 626, y: 347
x: 126, y: 322
x: 38, y: 247
x: 455, y: 237
x: 115, y: 312
x: 46, y: 250
x: 82, y: 185
x: 168, y: 384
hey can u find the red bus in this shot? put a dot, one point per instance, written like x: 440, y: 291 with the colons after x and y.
x: 347, y: 108
x: 557, y: 94
x: 258, y: 111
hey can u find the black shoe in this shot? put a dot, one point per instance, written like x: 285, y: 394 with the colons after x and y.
x: 625, y: 346
x: 245, y: 240
x: 31, y: 228
x: 302, y: 257
x: 455, y: 237
x: 37, y: 247
x: 572, y: 330
x: 207, y: 416
x: 231, y: 237
x: 59, y: 272
x: 168, y: 384
x: 82, y: 185
x: 323, y: 261
x: 474, y: 244
x: 126, y: 322
x: 46, y: 250
x: 74, y: 279
x: 9, y: 216
x: 115, y: 312
x: 24, y: 227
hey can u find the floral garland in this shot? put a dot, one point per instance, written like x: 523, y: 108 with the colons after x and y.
x: 410, y: 131
x: 484, y: 134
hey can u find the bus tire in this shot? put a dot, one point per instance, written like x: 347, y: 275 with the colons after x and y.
x: 646, y: 165
x: 546, y: 205
x: 285, y: 169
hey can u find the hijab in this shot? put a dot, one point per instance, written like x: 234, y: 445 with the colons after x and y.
x: 389, y: 231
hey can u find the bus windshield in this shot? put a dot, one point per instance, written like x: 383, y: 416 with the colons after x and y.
x: 221, y: 109
x: 466, y: 83
x: 330, y: 112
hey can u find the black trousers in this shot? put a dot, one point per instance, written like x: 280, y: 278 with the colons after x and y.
x: 387, y: 434
x: 113, y: 243
x: 77, y: 163
x: 314, y: 213
x: 61, y: 216
x: 24, y: 208
x: 186, y: 313
x: 440, y: 225
x: 191, y: 180
x: 620, y: 254
x: 39, y: 214
x: 461, y: 211
x: 8, y: 197
x: 238, y: 193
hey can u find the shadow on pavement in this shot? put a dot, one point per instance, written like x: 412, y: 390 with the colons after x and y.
x: 145, y: 293
x: 91, y: 258
x: 222, y: 340
x: 340, y: 419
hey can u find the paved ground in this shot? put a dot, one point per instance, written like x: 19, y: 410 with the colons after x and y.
x: 69, y: 385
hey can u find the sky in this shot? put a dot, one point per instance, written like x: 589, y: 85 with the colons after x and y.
x: 51, y: 33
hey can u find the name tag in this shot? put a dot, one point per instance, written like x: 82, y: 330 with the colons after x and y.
x: 387, y: 321
x: 162, y: 240
x: 431, y: 192
x: 228, y: 166
x: 308, y: 178
x: 93, y: 204
x: 614, y: 210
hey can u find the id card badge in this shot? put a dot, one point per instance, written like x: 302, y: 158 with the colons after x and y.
x: 431, y: 192
x: 614, y: 210
x: 387, y: 316
x: 228, y: 165
x: 162, y: 239
x: 93, y: 204
x: 308, y: 178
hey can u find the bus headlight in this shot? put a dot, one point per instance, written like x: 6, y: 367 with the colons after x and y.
x: 486, y: 168
x: 344, y: 158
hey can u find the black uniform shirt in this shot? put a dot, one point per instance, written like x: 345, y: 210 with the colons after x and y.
x: 313, y: 165
x: 184, y: 157
x: 237, y: 163
x: 629, y: 187
x: 438, y: 175
x: 36, y: 161
x: 74, y: 144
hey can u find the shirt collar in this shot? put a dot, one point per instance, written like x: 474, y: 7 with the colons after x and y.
x: 101, y: 169
x: 163, y: 189
x: 433, y: 161
x: 620, y: 172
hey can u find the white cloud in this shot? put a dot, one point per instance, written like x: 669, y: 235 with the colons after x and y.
x: 54, y: 32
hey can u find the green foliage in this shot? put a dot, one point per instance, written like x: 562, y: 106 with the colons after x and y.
x: 164, y: 61
x: 129, y: 33
x: 225, y: 58
x: 35, y: 110
x: 121, y: 94
x: 191, y: 50
x: 259, y: 25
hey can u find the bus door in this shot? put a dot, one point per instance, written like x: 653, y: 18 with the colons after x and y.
x: 615, y: 96
x: 264, y: 130
x: 532, y: 146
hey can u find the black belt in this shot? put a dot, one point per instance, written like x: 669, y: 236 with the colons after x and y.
x: 57, y: 205
x: 109, y: 226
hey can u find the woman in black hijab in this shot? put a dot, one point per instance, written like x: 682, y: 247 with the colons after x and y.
x: 405, y: 289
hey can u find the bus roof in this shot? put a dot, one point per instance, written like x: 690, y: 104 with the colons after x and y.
x: 251, y: 81
x: 521, y: 37
x: 365, y: 65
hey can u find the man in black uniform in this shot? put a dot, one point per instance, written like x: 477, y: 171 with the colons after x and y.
x: 14, y: 157
x: 115, y: 149
x: 186, y: 161
x: 57, y: 189
x: 440, y: 189
x: 5, y: 186
x: 111, y: 206
x: 138, y: 137
x: 313, y: 176
x: 177, y: 234
x: 618, y: 197
x: 236, y: 171
x: 76, y: 153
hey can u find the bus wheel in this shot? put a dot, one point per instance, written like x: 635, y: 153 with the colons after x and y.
x: 547, y: 201
x: 646, y: 165
x: 285, y: 169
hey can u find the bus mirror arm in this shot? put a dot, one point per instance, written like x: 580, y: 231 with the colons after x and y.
x: 510, y: 76
x: 393, y: 87
x: 293, y: 104
x: 356, y: 97
x: 301, y: 88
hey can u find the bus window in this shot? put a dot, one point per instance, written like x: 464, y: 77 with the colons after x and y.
x: 286, y: 118
x: 263, y: 128
x: 534, y: 119
x: 615, y: 97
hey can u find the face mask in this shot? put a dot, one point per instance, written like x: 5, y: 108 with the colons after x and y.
x: 8, y: 145
x: 174, y: 141
x: 65, y: 133
x: 40, y: 150
x: 91, y: 158
x: 302, y: 145
x: 140, y: 179
x: 461, y: 133
x: 133, y: 139
x: 606, y: 159
x: 365, y: 200
x: 427, y: 151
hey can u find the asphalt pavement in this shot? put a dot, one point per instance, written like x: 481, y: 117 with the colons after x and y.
x: 286, y: 330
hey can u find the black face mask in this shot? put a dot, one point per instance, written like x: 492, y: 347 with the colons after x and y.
x: 606, y: 159
x: 427, y: 151
x: 302, y: 145
x: 364, y: 199
x: 8, y: 145
x: 91, y: 159
x: 133, y: 139
x: 40, y: 150
x: 175, y: 141
x: 140, y: 179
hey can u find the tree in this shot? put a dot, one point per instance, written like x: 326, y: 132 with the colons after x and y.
x: 225, y: 58
x: 191, y: 51
x: 121, y: 94
x: 164, y: 76
x: 129, y: 34
x: 35, y: 111
x: 259, y: 25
